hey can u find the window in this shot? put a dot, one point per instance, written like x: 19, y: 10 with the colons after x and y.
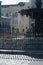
x: 2, y: 14
x: 6, y: 14
x: 0, y: 23
x: 15, y: 22
x: 15, y: 14
x: 23, y: 30
x: 26, y: 27
x: 21, y: 4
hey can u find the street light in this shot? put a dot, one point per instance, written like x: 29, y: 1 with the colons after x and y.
x: 11, y: 25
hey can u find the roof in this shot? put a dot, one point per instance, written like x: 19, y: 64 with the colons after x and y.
x: 19, y: 4
x: 9, y: 5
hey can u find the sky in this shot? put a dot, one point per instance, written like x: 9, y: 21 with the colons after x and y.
x: 5, y: 2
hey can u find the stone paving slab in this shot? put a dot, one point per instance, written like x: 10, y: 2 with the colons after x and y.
x: 6, y: 59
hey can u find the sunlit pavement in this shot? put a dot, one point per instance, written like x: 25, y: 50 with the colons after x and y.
x: 19, y: 60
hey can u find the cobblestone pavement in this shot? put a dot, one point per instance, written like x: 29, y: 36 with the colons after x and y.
x: 19, y: 60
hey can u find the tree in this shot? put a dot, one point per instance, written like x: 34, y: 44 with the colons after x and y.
x: 38, y: 3
x: 38, y: 20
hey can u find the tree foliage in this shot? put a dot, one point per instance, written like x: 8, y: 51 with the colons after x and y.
x: 38, y: 3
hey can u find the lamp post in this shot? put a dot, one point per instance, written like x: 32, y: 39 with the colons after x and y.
x: 11, y: 25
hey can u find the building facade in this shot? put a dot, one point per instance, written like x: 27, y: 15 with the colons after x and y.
x: 19, y: 23
x: 5, y: 26
x: 23, y: 23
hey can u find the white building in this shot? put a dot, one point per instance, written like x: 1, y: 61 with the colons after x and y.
x: 5, y: 26
x: 12, y: 11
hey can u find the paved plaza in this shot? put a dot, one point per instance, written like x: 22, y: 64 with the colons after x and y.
x: 19, y: 60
